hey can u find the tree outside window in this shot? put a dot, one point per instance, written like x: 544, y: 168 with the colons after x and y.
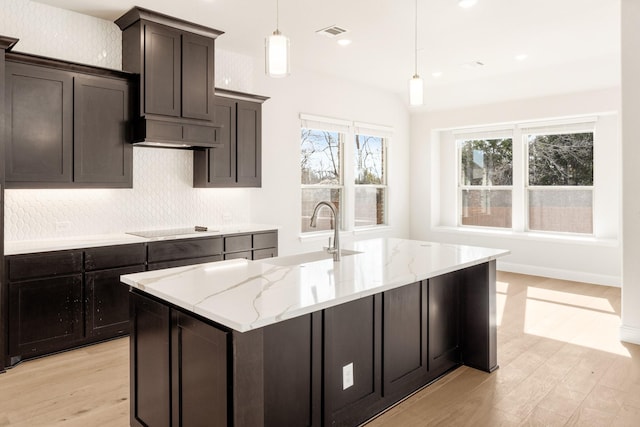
x: 485, y: 182
x: 321, y: 174
x: 370, y: 180
x: 560, y: 182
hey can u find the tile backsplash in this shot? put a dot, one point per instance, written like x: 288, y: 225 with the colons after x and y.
x: 162, y: 197
x: 162, y: 194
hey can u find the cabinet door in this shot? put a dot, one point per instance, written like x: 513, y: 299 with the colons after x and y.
x: 444, y: 322
x: 216, y: 167
x: 102, y: 154
x: 197, y: 77
x: 352, y: 348
x: 249, y: 144
x: 45, y: 315
x: 150, y: 363
x: 404, y: 332
x: 39, y: 125
x: 199, y: 373
x: 107, y: 302
x: 162, y: 74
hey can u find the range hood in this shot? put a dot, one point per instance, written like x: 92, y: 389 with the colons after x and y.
x: 173, y: 95
x: 174, y: 134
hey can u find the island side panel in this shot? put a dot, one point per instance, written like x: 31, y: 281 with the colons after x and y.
x: 479, y: 324
x: 150, y: 362
x: 248, y: 378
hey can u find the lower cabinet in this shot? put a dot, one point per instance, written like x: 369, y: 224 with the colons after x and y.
x: 178, y: 368
x: 63, y: 299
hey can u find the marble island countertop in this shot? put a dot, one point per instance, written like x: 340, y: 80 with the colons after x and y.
x: 89, y: 241
x: 245, y: 295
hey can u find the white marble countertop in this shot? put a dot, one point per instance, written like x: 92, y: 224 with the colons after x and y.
x: 78, y: 242
x: 245, y: 295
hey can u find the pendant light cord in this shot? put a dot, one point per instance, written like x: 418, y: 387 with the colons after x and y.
x: 416, y: 41
x: 277, y: 15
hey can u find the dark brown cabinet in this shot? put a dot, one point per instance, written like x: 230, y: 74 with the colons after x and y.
x: 106, y: 299
x: 58, y: 301
x: 175, y: 61
x: 39, y: 125
x: 251, y: 246
x: 180, y: 374
x: 101, y: 153
x: 45, y: 303
x: 237, y: 160
x: 181, y: 252
x: 444, y: 321
x: 66, y: 128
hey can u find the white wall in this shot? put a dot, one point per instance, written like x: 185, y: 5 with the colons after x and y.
x: 303, y: 92
x: 434, y: 201
x: 630, y: 330
x: 162, y: 194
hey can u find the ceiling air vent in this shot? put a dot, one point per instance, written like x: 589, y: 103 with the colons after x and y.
x: 332, y: 31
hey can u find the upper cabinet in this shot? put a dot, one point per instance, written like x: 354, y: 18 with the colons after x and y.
x: 175, y: 61
x: 66, y: 125
x: 237, y: 160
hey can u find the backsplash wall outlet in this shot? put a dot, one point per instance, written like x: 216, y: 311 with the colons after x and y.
x: 162, y: 194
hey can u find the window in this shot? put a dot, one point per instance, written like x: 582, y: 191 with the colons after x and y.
x: 543, y: 183
x: 560, y: 181
x: 370, y: 180
x: 346, y: 163
x: 321, y: 174
x: 485, y: 181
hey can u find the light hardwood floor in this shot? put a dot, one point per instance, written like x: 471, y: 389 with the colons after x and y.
x: 560, y: 364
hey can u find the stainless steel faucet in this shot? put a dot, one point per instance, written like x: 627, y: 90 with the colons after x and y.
x: 335, y: 249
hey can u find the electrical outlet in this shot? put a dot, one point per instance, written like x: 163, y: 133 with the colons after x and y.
x: 227, y: 217
x: 347, y: 376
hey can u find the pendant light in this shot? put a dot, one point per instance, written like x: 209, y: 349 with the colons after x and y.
x: 416, y: 85
x: 277, y: 51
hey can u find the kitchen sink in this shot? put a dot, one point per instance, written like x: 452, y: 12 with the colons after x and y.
x: 306, y: 257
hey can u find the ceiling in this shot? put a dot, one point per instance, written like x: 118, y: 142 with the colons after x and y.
x: 571, y: 45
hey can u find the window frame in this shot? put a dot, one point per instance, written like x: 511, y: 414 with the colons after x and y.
x: 461, y: 188
x: 349, y: 129
x: 524, y: 135
x: 384, y: 186
x: 520, y: 184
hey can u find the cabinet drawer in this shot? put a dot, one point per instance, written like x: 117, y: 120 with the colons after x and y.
x: 21, y: 267
x: 170, y: 250
x: 114, y: 256
x: 265, y: 253
x: 238, y: 255
x: 183, y: 262
x: 265, y: 240
x: 237, y: 243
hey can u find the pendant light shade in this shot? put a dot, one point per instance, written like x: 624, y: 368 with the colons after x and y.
x: 416, y: 85
x: 416, y: 90
x: 277, y: 55
x: 277, y: 52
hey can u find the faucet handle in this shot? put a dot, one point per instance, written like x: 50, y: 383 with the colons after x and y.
x: 330, y: 249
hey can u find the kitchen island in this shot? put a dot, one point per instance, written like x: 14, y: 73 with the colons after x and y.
x: 306, y: 341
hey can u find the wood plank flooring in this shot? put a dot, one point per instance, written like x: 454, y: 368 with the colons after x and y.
x: 561, y: 364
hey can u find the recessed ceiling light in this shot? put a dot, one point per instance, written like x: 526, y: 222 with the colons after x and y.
x: 344, y: 42
x: 466, y: 3
x: 437, y: 74
x: 521, y: 57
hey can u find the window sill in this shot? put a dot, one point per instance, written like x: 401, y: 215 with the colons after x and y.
x: 323, y: 235
x: 530, y: 236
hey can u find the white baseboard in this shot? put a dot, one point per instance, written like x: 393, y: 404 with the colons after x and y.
x: 555, y: 273
x: 629, y: 334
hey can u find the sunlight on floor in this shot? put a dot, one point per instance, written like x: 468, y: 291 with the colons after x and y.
x: 561, y: 312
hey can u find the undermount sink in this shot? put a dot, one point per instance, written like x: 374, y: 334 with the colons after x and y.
x: 306, y: 257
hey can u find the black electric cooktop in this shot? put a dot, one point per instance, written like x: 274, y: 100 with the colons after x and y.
x: 150, y: 234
